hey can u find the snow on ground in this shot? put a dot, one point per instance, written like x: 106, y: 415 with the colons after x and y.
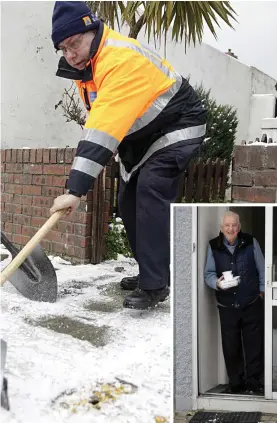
x: 43, y: 363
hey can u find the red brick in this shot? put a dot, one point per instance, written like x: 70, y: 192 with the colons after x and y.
x: 3, y: 156
x: 67, y: 169
x: 28, y: 231
x: 58, y: 248
x: 271, y: 157
x: 53, y: 169
x: 38, y: 221
x: 20, y: 239
x: 6, y: 198
x: 31, y: 211
x: 53, y: 155
x: 65, y: 227
x: 42, y: 180
x: 54, y: 236
x: 52, y: 191
x: 77, y: 241
x: 254, y: 195
x: 33, y: 169
x: 8, y: 227
x: 60, y: 155
x: 6, y: 217
x: 7, y: 178
x: 19, y: 153
x: 33, y: 155
x: 82, y: 253
x: 266, y: 178
x: 31, y: 190
x: 81, y: 217
x: 13, y: 208
x: 27, y: 210
x: 39, y: 155
x: 68, y: 250
x: 45, y: 212
x: 17, y: 229
x: 82, y: 230
x: 26, y: 155
x: 69, y: 155
x: 22, y: 199
x: 46, y: 245
x: 3, y: 168
x: 8, y: 155
x: 14, y: 168
x: 59, y: 181
x: 42, y: 202
x: 14, y: 158
x: 13, y: 189
x: 46, y: 155
x: 20, y: 219
x: 22, y: 179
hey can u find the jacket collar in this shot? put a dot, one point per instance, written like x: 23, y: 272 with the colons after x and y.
x: 68, y: 72
x: 240, y: 241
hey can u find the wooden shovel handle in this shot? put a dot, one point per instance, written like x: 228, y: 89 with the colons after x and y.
x: 34, y: 241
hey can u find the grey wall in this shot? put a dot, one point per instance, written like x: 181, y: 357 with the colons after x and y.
x: 182, y: 242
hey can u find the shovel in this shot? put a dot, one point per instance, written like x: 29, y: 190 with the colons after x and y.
x: 33, y: 275
x: 31, y: 272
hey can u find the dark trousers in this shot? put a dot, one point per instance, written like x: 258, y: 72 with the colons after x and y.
x: 144, y: 206
x: 243, y: 344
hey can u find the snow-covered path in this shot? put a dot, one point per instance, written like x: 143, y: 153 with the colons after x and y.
x: 44, y: 359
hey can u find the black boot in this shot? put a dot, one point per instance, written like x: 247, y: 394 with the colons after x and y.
x: 142, y: 300
x: 130, y: 283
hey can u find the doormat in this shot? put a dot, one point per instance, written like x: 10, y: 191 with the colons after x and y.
x: 207, y: 417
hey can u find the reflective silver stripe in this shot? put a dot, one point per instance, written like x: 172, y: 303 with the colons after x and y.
x: 165, y: 141
x: 160, y: 103
x: 153, y: 58
x: 87, y: 166
x: 156, y: 107
x: 101, y: 138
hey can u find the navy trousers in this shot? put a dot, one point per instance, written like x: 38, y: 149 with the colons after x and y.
x: 144, y: 206
x: 243, y: 344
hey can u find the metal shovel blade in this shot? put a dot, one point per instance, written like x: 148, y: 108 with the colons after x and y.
x: 36, y: 278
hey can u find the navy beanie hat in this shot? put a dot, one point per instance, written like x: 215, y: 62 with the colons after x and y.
x: 70, y: 18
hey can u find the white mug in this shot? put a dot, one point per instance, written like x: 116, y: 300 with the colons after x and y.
x: 228, y: 276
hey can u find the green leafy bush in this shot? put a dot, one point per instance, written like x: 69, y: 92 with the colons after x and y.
x: 116, y: 240
x: 222, y: 125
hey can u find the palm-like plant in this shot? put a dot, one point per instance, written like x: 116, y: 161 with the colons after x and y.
x: 186, y: 18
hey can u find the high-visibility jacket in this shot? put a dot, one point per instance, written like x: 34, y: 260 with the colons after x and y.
x: 137, y: 103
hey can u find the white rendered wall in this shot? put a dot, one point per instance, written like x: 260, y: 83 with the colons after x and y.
x: 30, y: 88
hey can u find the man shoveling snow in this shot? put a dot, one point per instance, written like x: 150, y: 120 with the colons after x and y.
x: 139, y: 106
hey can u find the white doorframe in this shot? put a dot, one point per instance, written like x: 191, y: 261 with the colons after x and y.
x: 269, y: 303
x: 194, y: 296
x: 265, y: 405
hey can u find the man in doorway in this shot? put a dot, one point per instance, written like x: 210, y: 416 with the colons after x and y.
x: 141, y: 107
x: 240, y: 307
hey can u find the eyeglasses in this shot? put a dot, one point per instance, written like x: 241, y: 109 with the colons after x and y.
x: 73, y: 45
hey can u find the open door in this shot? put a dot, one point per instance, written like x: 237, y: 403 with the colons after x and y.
x: 211, y: 367
x: 271, y: 304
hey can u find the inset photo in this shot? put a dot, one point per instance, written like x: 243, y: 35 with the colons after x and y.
x: 224, y: 279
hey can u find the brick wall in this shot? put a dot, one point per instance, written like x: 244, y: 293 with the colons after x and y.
x: 254, y: 176
x: 30, y: 180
